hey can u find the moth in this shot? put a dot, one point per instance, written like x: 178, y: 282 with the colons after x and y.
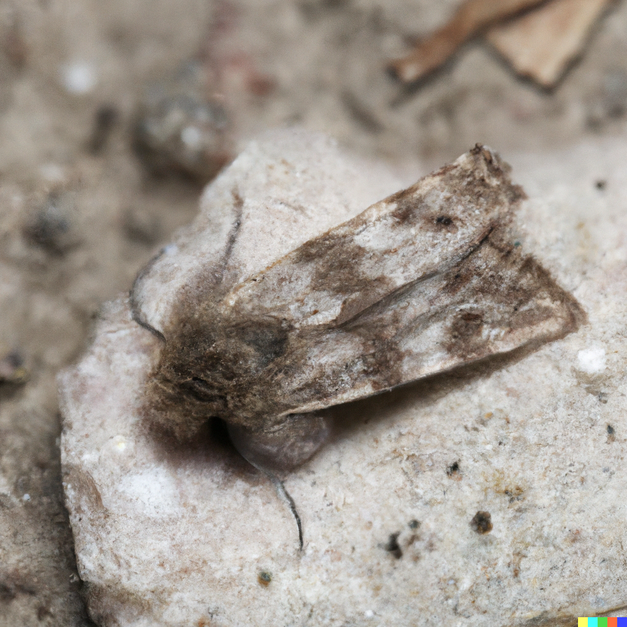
x: 421, y: 282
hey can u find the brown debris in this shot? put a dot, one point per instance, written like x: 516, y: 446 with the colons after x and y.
x: 482, y: 523
x: 541, y: 44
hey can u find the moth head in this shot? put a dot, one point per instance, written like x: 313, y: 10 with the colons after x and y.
x: 203, y: 366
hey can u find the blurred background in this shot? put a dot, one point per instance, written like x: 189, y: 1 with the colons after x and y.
x: 113, y: 115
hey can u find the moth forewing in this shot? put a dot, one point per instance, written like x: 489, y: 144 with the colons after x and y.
x: 493, y: 301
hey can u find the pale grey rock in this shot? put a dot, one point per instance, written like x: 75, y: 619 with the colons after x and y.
x: 189, y: 535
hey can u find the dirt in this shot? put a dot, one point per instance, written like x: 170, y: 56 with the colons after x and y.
x: 80, y: 213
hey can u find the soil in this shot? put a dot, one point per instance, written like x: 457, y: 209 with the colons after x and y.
x: 81, y: 212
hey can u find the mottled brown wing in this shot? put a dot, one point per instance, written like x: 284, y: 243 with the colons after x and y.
x: 417, y: 284
x: 492, y: 301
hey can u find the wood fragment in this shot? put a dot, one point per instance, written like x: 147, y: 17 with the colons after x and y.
x: 472, y: 17
x: 542, y: 43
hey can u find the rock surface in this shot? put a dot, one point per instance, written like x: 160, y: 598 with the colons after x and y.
x: 492, y: 495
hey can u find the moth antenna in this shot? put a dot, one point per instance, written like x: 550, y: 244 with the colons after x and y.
x: 142, y: 323
x: 134, y: 305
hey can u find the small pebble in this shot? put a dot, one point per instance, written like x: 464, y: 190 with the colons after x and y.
x: 482, y: 522
x: 12, y: 369
x: 50, y: 225
x: 180, y: 128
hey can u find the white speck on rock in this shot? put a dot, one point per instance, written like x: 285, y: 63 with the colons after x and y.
x: 79, y: 77
x: 26, y: 498
x: 591, y: 360
x: 191, y: 137
x: 120, y: 444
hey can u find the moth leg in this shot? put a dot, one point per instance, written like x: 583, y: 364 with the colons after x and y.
x: 287, y: 497
x: 283, y: 446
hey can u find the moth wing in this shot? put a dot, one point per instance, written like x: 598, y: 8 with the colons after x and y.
x: 493, y: 301
x: 417, y: 284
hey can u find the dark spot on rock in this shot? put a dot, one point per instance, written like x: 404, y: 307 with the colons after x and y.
x: 454, y: 471
x: 49, y: 226
x: 514, y: 494
x: 482, y: 522
x: 601, y: 184
x: 602, y: 396
x: 392, y: 546
x: 444, y: 220
x: 413, y: 524
x: 12, y: 369
x: 611, y: 434
x: 264, y: 578
x: 104, y: 121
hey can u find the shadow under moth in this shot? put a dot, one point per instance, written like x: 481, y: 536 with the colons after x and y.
x: 421, y: 282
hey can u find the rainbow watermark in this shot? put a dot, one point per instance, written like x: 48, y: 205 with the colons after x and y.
x: 599, y: 621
